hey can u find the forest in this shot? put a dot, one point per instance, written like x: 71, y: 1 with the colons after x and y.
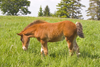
x: 65, y: 9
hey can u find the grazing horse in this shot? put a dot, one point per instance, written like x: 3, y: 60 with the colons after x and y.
x: 52, y: 32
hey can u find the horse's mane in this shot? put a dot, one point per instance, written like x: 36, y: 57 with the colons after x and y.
x: 34, y: 22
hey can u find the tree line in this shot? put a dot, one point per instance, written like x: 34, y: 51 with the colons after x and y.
x: 65, y: 9
x: 46, y: 12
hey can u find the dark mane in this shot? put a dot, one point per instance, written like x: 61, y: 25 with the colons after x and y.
x: 34, y: 22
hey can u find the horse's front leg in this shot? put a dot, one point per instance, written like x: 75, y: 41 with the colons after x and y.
x: 44, y: 48
x: 42, y: 51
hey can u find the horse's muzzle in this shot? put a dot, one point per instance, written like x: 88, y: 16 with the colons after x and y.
x: 24, y: 48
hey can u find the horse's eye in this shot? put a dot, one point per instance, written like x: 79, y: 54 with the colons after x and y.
x: 21, y: 39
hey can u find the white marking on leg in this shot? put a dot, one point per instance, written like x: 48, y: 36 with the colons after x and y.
x: 42, y: 49
x: 79, y: 53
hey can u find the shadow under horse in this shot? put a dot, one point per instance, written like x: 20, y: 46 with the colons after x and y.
x: 52, y: 32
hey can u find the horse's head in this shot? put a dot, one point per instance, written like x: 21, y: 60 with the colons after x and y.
x: 25, y: 41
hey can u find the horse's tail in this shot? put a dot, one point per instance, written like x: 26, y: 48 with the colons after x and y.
x: 79, y: 30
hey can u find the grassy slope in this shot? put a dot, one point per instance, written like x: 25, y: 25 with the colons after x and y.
x: 12, y: 55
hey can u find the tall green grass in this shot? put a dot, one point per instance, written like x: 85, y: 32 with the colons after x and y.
x: 12, y: 55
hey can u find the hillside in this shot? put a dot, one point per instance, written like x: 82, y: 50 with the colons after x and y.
x: 12, y: 55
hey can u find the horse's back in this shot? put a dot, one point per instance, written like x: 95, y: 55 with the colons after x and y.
x: 55, y: 31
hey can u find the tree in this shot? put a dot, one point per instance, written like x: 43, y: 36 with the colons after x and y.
x: 94, y: 10
x: 47, y: 11
x: 70, y: 9
x: 54, y: 14
x: 63, y: 8
x: 15, y: 7
x: 40, y: 13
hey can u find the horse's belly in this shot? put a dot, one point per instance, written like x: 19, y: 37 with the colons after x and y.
x: 55, y: 39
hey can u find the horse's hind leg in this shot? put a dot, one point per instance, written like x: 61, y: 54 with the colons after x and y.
x: 75, y: 47
x: 70, y: 45
x: 77, y: 50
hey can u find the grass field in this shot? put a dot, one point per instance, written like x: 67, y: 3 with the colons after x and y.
x: 12, y: 55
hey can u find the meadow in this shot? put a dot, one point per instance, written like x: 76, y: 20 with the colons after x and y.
x: 12, y: 55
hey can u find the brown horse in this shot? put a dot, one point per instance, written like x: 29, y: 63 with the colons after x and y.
x: 52, y: 32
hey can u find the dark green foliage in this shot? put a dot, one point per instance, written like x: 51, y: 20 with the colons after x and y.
x: 63, y: 8
x: 15, y: 7
x: 40, y: 13
x: 70, y: 9
x: 54, y: 14
x: 47, y: 11
x: 94, y: 10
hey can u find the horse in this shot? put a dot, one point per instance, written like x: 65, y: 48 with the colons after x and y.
x: 52, y: 32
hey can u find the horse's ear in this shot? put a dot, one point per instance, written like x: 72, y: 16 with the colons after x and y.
x: 19, y: 34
